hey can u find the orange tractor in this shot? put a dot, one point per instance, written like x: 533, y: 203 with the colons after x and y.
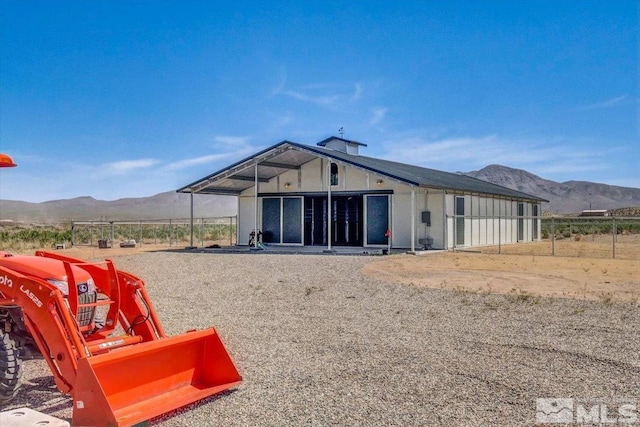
x: 98, y: 331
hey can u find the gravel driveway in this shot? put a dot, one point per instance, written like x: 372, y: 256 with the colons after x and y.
x: 318, y: 344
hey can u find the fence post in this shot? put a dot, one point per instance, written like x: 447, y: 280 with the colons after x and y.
x: 614, y: 230
x: 553, y: 236
x: 499, y: 236
x: 170, y: 233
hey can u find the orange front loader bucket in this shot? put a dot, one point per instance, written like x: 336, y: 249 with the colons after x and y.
x: 136, y: 383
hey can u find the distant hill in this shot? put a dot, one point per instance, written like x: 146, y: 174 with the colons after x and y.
x: 168, y: 205
x: 564, y: 197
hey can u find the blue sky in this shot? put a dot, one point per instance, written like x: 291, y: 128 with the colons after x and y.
x: 123, y: 99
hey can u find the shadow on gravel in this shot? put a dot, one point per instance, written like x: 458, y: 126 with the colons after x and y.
x: 180, y: 412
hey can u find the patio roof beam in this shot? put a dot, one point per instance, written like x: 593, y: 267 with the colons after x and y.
x: 247, y: 178
x: 279, y: 165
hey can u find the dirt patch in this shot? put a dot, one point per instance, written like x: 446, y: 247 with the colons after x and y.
x: 515, y: 272
x: 627, y: 246
x: 523, y: 276
x: 93, y: 253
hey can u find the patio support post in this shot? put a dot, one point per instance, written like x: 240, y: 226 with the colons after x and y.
x: 255, y: 225
x: 191, y: 221
x: 329, y: 219
x: 445, y: 221
x: 413, y: 219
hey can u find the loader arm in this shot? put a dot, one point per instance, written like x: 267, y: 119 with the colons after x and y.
x: 122, y: 370
x: 47, y: 320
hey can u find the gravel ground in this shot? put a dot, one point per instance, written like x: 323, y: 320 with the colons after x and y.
x: 318, y: 344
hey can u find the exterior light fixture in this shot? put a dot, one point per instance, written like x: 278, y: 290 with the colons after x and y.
x: 379, y: 182
x: 287, y: 185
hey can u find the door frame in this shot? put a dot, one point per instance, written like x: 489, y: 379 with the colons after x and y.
x: 365, y: 234
x: 280, y: 242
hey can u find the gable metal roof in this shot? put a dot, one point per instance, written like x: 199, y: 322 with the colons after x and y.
x: 288, y: 155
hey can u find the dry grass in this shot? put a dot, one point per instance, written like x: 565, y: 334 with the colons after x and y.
x: 579, y: 246
x: 568, y: 277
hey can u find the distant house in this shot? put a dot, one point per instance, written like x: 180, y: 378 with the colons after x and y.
x: 594, y: 212
x: 329, y: 195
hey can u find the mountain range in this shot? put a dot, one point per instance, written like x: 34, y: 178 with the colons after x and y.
x: 162, y: 206
x: 564, y: 198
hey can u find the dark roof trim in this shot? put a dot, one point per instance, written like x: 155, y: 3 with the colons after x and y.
x: 333, y: 193
x: 336, y: 155
x: 187, y: 188
x: 331, y: 138
x: 411, y: 173
x: 382, y: 167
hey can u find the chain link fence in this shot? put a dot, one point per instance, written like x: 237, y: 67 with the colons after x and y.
x: 207, y: 232
x: 589, y: 237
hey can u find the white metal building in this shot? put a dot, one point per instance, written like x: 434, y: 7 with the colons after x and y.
x: 329, y: 195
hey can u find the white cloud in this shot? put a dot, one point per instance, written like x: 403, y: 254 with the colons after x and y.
x: 282, y: 82
x: 326, y: 94
x: 124, y: 166
x: 202, y: 160
x: 378, y: 114
x: 233, y: 141
x: 320, y: 99
x: 238, y: 144
x: 608, y: 103
x: 357, y: 93
x: 469, y: 153
x: 283, y: 120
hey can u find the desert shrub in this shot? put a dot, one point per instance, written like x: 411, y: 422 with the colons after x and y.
x: 17, y: 237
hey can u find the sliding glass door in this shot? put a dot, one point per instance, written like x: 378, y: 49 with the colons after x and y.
x: 377, y: 219
x: 282, y: 220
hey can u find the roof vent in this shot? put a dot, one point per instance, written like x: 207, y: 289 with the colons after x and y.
x: 341, y: 144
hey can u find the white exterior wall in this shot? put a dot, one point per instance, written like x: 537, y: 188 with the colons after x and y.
x: 449, y: 201
x: 432, y: 201
x: 467, y: 221
x: 488, y: 220
x: 246, y: 217
x: 401, y: 217
x: 425, y: 200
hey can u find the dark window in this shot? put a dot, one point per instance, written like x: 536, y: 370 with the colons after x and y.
x: 377, y: 219
x: 291, y: 220
x: 459, y: 220
x: 536, y: 214
x: 271, y: 220
x: 520, y: 222
x: 334, y: 174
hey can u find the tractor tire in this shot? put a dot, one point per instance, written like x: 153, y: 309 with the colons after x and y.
x: 10, y: 368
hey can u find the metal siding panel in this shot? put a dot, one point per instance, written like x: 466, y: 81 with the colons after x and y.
x: 401, y: 217
x: 246, y: 219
